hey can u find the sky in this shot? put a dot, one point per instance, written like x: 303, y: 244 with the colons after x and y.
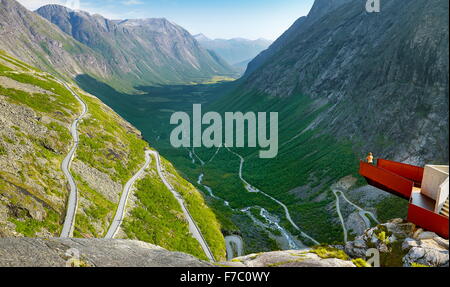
x: 251, y: 19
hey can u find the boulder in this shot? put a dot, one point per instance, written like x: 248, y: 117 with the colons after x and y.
x: 57, y: 252
x: 400, y: 243
x: 288, y: 258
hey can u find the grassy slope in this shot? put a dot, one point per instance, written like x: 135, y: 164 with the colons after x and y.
x: 107, y: 133
x: 109, y: 147
x: 158, y: 218
x: 203, y: 216
x: 38, y: 186
x: 103, y: 136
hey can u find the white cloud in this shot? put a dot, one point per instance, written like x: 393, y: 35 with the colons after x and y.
x: 75, y: 5
x: 35, y: 4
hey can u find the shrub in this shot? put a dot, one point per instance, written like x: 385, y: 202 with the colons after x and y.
x: 2, y: 150
x: 325, y: 252
x: 359, y: 262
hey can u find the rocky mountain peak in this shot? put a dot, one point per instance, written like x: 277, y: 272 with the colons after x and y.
x: 11, y: 4
x: 201, y: 37
x: 151, y: 50
x: 323, y: 7
x: 55, y: 8
x: 157, y: 25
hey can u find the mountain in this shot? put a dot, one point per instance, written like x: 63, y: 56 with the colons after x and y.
x: 344, y: 82
x: 393, y: 72
x: 37, y: 110
x: 29, y: 37
x: 319, y: 9
x: 242, y: 66
x: 125, y: 54
x: 154, y: 51
x: 235, y: 51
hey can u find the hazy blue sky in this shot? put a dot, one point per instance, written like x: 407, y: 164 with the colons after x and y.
x: 215, y: 18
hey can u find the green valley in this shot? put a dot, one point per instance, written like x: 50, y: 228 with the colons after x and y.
x: 359, y: 102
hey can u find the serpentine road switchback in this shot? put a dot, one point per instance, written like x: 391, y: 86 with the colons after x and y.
x: 251, y: 188
x: 72, y: 203
x: 69, y: 221
x: 118, y: 218
x: 362, y: 213
x: 193, y: 228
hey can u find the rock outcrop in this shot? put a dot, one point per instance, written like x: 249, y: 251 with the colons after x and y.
x: 401, y: 244
x: 291, y: 258
x: 38, y: 252
x: 56, y: 252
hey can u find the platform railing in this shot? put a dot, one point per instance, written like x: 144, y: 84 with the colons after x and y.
x: 411, y: 172
x: 387, y: 180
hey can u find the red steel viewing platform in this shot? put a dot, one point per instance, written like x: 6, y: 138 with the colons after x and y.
x: 425, y: 188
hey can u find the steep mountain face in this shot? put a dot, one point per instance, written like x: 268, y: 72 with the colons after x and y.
x: 150, y: 50
x: 235, y: 51
x: 36, y: 111
x: 345, y: 83
x: 124, y: 54
x: 384, y: 76
x: 319, y: 9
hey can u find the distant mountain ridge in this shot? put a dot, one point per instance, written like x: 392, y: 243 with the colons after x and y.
x: 125, y: 53
x: 235, y: 51
x: 153, y: 50
x: 31, y: 38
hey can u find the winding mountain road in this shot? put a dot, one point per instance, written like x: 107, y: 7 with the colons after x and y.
x: 251, y: 188
x: 362, y: 213
x: 235, y: 246
x: 193, y: 228
x: 341, y: 218
x: 118, y: 218
x: 72, y: 203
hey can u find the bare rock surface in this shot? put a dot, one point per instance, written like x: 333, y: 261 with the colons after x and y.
x: 290, y: 258
x: 401, y: 244
x: 98, y: 181
x: 319, y: 56
x: 31, y: 252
